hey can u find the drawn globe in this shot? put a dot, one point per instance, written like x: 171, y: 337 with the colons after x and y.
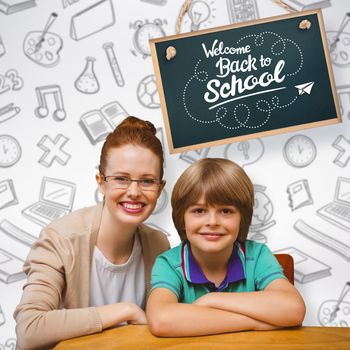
x: 147, y: 92
x: 262, y: 211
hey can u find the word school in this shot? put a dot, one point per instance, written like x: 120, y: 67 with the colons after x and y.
x: 217, y: 89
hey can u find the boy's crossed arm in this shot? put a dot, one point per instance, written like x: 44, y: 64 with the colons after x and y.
x: 169, y: 318
x: 279, y: 303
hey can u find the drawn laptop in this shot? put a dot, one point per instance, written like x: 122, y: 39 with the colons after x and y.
x: 56, y: 199
x: 338, y: 211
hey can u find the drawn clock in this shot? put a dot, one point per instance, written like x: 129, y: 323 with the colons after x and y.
x: 144, y: 32
x: 299, y: 151
x: 10, y: 151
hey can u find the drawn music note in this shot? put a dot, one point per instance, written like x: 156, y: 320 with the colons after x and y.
x: 344, y: 100
x: 42, y: 110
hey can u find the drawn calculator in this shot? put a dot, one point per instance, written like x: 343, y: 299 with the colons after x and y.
x: 242, y: 10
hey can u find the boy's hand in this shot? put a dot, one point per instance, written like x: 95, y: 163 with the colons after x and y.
x: 262, y: 326
x: 208, y: 300
x: 203, y: 300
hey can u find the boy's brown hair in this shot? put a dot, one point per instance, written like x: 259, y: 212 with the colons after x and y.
x: 220, y: 182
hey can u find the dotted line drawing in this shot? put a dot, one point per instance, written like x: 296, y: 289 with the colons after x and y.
x: 280, y: 40
x: 241, y: 113
x: 195, y: 76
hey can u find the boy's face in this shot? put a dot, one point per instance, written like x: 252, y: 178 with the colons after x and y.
x: 212, y: 229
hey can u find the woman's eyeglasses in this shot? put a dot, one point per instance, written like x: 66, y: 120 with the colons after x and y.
x: 123, y: 182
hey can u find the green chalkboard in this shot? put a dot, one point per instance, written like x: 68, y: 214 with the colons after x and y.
x: 246, y: 80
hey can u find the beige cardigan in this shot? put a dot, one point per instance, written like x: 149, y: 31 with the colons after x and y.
x: 55, y: 300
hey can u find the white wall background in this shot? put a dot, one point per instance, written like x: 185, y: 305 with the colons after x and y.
x: 72, y: 157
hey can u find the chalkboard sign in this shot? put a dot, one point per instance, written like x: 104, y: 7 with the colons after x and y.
x: 247, y: 80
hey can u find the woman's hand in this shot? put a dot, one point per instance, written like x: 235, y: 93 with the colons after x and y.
x: 114, y: 314
x: 138, y: 317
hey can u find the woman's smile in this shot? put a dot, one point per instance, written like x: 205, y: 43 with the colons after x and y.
x: 132, y: 207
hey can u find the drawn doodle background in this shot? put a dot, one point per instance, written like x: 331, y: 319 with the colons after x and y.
x: 58, y: 99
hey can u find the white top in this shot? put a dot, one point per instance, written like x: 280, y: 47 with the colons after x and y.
x: 111, y: 283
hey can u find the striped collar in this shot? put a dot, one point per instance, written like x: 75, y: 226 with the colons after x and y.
x: 194, y: 274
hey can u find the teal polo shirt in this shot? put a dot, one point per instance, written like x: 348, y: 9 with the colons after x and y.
x: 251, y: 268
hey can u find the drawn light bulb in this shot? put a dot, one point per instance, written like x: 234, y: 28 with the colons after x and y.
x: 244, y: 147
x: 198, y: 12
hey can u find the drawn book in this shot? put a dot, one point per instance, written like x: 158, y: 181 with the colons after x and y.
x: 98, y: 123
x: 11, y: 6
x: 306, y: 268
x: 303, y: 5
x: 11, y: 267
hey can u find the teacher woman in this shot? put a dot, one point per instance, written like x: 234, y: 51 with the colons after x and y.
x: 90, y: 270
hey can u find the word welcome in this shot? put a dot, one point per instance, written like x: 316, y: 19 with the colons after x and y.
x: 224, y: 50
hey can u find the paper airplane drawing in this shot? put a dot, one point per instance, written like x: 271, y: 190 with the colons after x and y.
x: 305, y: 88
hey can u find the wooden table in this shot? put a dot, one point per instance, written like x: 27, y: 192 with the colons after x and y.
x: 139, y: 338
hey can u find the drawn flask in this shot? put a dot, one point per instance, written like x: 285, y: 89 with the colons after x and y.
x: 87, y: 82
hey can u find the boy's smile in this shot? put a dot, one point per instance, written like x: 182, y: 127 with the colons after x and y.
x: 211, y: 236
x: 212, y: 228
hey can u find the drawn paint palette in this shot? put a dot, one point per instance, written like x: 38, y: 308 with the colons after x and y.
x: 340, y: 55
x: 46, y: 54
x: 43, y: 47
x: 342, y: 316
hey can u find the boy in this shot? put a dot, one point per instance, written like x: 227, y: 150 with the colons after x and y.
x: 216, y: 280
